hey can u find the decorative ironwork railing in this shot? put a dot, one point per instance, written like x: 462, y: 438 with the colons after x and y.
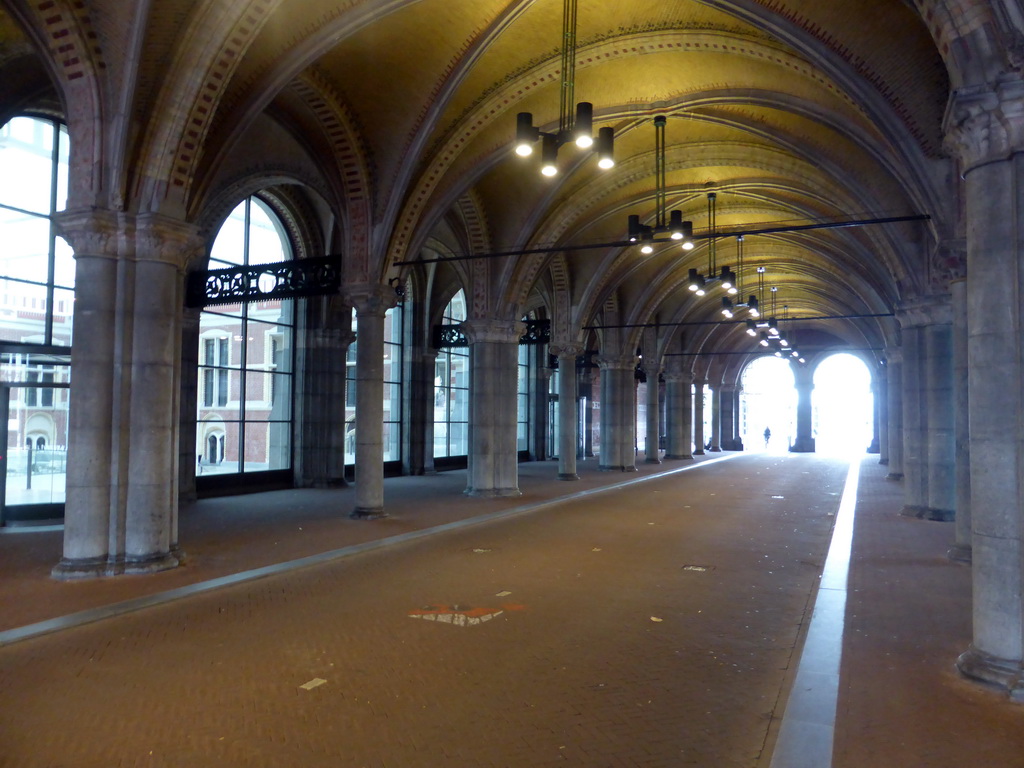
x: 449, y: 336
x: 299, y: 278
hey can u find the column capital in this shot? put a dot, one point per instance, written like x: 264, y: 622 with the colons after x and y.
x: 682, y: 377
x: 927, y: 310
x: 370, y: 298
x: 565, y: 349
x: 616, y: 362
x: 491, y: 330
x: 90, y: 232
x: 894, y: 355
x: 171, y: 241
x: 985, y: 123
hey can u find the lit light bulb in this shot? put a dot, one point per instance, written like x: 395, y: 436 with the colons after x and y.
x: 646, y: 248
x: 605, y: 163
x: 549, y: 170
x: 584, y: 141
x: 524, y: 150
x: 688, y: 245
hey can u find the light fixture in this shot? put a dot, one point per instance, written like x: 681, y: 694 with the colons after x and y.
x: 677, y: 228
x: 578, y: 129
x: 726, y: 307
x: 751, y: 328
x: 764, y: 339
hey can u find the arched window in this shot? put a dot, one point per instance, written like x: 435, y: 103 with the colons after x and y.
x: 245, y: 355
x: 451, y: 390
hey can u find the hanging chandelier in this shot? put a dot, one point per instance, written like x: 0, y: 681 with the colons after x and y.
x: 675, y: 226
x: 578, y: 129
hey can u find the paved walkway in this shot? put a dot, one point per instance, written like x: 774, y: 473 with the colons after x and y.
x: 658, y: 624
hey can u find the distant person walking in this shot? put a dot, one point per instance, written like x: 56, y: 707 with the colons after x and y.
x: 767, y: 436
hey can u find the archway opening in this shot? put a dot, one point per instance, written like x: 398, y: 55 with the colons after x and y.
x: 843, y: 405
x: 768, y: 402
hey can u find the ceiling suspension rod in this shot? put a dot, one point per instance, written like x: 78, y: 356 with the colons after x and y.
x: 704, y: 236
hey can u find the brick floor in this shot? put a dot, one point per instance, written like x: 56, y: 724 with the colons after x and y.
x: 603, y: 649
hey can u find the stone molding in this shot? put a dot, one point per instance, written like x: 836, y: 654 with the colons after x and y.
x: 616, y: 362
x: 170, y: 241
x: 370, y: 298
x: 930, y: 310
x: 565, y: 349
x: 482, y: 330
x: 985, y: 124
x: 94, y: 233
x: 682, y: 377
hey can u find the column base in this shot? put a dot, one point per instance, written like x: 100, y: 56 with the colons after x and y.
x: 1002, y: 673
x: 929, y: 513
x: 72, y: 569
x: 960, y: 553
x: 568, y: 476
x: 884, y: 462
x: 492, y: 493
x: 894, y: 476
x: 698, y: 453
x: 673, y: 457
x: 362, y: 513
x: 652, y: 461
x: 802, y: 446
x: 716, y: 449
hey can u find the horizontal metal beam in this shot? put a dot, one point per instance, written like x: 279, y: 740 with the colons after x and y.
x: 738, y: 322
x: 697, y: 236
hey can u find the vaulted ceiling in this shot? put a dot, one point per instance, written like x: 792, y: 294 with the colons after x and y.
x: 792, y: 111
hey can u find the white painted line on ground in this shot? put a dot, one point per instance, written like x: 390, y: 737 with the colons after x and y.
x: 808, y: 725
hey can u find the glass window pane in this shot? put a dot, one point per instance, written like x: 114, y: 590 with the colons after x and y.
x: 459, y: 439
x: 392, y: 442
x: 267, y: 446
x: 64, y: 264
x: 217, y: 446
x: 26, y: 156
x: 459, y: 405
x: 441, y: 439
x: 22, y: 312
x: 268, y: 396
x: 229, y: 245
x: 521, y: 441
x: 63, y: 153
x: 267, y: 240
x: 63, y: 316
x: 267, y: 347
x: 37, y: 443
x: 26, y: 251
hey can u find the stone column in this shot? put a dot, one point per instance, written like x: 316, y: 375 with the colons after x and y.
x: 987, y: 129
x: 371, y: 303
x: 586, y: 382
x: 188, y: 457
x: 804, y: 380
x: 881, y: 387
x: 679, y: 403
x: 915, y: 493
x: 493, y: 359
x: 122, y: 482
x: 895, y: 391
x: 941, y: 455
x: 698, y: 416
x: 716, y: 419
x: 961, y: 549
x: 737, y: 438
x: 567, y: 423
x: 653, y: 455
x: 876, y: 409
x: 728, y: 418
x: 617, y: 412
x: 326, y: 337
x: 421, y: 413
x: 928, y: 457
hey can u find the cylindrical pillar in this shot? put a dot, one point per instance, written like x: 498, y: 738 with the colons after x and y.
x: 894, y: 355
x: 371, y: 304
x: 728, y: 418
x: 987, y: 130
x: 804, y: 379
x: 678, y: 406
x: 493, y: 469
x: 617, y: 412
x: 881, y: 387
x: 914, y: 441
x: 940, y: 409
x: 698, y: 417
x: 961, y: 549
x: 652, y: 455
x: 568, y: 435
x: 716, y: 418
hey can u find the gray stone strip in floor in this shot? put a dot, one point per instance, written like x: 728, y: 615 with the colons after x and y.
x: 135, y: 604
x: 808, y: 724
